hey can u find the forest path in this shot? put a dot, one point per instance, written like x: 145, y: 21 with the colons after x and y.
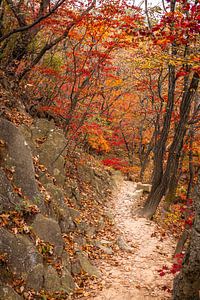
x: 135, y: 275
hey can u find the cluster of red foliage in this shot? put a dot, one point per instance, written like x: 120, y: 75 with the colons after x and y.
x: 115, y: 163
x: 176, y: 267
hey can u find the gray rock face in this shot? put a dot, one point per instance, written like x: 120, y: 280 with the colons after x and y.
x: 58, y: 210
x: 24, y: 260
x: 67, y: 282
x: 8, y: 200
x: 49, y: 150
x: 66, y: 261
x: 42, y: 127
x: 49, y: 231
x: 7, y: 293
x: 54, y: 283
x: 50, y: 154
x: 35, y: 278
x: 51, y: 280
x: 22, y: 256
x: 17, y: 155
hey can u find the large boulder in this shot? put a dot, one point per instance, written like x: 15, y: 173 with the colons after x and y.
x: 41, y: 128
x: 58, y: 209
x: 57, y: 206
x: 8, y: 200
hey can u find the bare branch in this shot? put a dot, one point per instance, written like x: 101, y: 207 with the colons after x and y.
x: 37, y: 21
x: 50, y: 45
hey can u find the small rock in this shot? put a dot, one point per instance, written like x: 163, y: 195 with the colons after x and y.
x: 106, y: 250
x: 144, y: 186
x: 87, y: 266
x: 76, y: 267
x: 137, y: 194
x: 123, y: 245
x: 105, y: 242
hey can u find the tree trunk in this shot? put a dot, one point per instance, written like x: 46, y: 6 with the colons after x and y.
x: 160, y: 146
x: 187, y: 282
x: 191, y: 167
x: 171, y: 193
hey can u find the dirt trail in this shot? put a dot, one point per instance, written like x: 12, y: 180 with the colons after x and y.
x: 136, y: 277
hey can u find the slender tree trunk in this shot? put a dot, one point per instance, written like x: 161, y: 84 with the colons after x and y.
x: 183, y: 238
x: 171, y: 193
x: 160, y: 146
x: 187, y: 282
x: 191, y: 167
x: 181, y: 242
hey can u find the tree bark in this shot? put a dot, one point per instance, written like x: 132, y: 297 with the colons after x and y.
x: 187, y: 282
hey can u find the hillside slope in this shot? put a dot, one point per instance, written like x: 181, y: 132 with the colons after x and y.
x: 51, y: 211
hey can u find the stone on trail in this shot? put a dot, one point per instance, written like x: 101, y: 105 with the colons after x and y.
x: 144, y: 186
x: 123, y: 245
x: 137, y: 194
x: 105, y: 249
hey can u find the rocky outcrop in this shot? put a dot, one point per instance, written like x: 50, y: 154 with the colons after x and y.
x: 43, y: 211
